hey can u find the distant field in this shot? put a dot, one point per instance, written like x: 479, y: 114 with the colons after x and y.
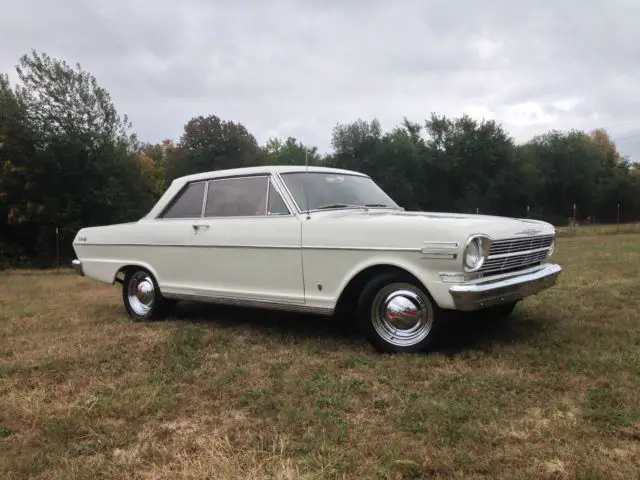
x: 598, y: 229
x: 226, y: 393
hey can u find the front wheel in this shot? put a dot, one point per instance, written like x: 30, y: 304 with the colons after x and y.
x: 398, y: 315
x: 141, y: 295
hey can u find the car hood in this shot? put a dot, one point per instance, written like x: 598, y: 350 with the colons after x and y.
x: 431, y: 226
x: 494, y: 226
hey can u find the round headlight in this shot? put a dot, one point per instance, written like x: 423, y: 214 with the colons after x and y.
x: 475, y: 253
x: 473, y: 256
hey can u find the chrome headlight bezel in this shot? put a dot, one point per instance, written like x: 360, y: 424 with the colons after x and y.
x: 552, y: 247
x: 483, y: 243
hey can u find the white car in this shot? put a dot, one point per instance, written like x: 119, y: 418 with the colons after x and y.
x: 318, y: 240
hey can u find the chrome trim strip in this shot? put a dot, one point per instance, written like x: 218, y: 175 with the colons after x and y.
x: 284, y: 192
x: 204, y: 199
x: 444, y: 245
x: 517, y: 254
x: 290, y: 196
x: 457, y: 277
x: 185, y: 245
x: 364, y: 249
x: 475, y: 296
x: 437, y: 255
x: 266, y: 200
x: 439, y: 250
x: 77, y: 266
x: 508, y: 240
x: 280, y: 247
x: 263, y: 304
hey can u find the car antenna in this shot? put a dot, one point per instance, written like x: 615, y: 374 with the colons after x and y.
x: 306, y: 181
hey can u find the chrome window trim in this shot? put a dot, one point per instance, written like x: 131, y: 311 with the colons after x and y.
x: 204, y: 199
x: 237, y: 177
x: 290, y: 196
x: 300, y: 211
x: 176, y: 197
x: 277, y: 189
x: 266, y: 200
x: 267, y: 176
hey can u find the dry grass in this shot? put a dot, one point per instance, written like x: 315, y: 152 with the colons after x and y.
x: 604, y: 229
x: 223, y: 393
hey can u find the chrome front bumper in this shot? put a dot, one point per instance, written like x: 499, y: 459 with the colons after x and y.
x: 480, y: 295
x: 77, y: 266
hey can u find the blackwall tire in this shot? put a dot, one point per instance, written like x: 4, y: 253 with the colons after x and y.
x: 397, y: 315
x: 141, y: 295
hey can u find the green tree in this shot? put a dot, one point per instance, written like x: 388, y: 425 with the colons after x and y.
x: 290, y: 152
x: 69, y: 161
x: 471, y: 163
x: 569, y: 165
x: 209, y: 143
x: 65, y: 101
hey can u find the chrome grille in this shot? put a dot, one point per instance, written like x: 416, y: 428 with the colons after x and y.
x: 516, y: 254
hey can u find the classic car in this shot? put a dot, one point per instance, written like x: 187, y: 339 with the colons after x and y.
x: 319, y: 240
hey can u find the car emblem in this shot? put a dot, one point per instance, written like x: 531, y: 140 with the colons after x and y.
x: 529, y: 232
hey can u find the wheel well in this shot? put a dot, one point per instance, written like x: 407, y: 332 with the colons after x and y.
x: 123, y: 272
x: 348, y: 298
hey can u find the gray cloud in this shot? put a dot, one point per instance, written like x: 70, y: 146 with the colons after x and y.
x: 298, y: 67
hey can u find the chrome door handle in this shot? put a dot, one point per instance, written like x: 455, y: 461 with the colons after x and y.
x: 200, y: 226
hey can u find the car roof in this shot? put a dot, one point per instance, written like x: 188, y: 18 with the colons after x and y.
x: 178, y: 183
x: 264, y: 169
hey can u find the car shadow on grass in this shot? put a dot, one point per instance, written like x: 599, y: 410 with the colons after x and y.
x: 468, y: 332
x: 269, y: 322
x: 461, y: 334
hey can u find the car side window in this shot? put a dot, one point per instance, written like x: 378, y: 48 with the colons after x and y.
x: 188, y: 204
x: 275, y: 204
x: 237, y: 197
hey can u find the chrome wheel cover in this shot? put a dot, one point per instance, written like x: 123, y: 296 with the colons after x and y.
x: 402, y: 314
x: 141, y: 293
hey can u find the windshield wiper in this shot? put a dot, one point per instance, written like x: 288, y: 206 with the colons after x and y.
x: 339, y: 205
x: 348, y: 205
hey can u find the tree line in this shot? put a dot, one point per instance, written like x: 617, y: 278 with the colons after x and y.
x: 68, y: 160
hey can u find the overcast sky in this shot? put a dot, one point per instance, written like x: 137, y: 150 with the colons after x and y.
x: 286, y: 67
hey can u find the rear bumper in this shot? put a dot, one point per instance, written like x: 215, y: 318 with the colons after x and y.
x: 77, y: 266
x: 481, y: 295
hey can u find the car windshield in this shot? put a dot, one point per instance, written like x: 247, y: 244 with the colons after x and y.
x: 319, y: 190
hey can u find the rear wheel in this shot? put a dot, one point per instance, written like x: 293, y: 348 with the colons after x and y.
x: 398, y: 315
x: 141, y: 295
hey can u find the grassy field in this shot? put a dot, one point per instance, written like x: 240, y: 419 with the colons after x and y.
x: 598, y: 229
x: 220, y: 393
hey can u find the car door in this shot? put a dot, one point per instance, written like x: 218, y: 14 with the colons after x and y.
x: 165, y: 240
x: 247, y: 244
